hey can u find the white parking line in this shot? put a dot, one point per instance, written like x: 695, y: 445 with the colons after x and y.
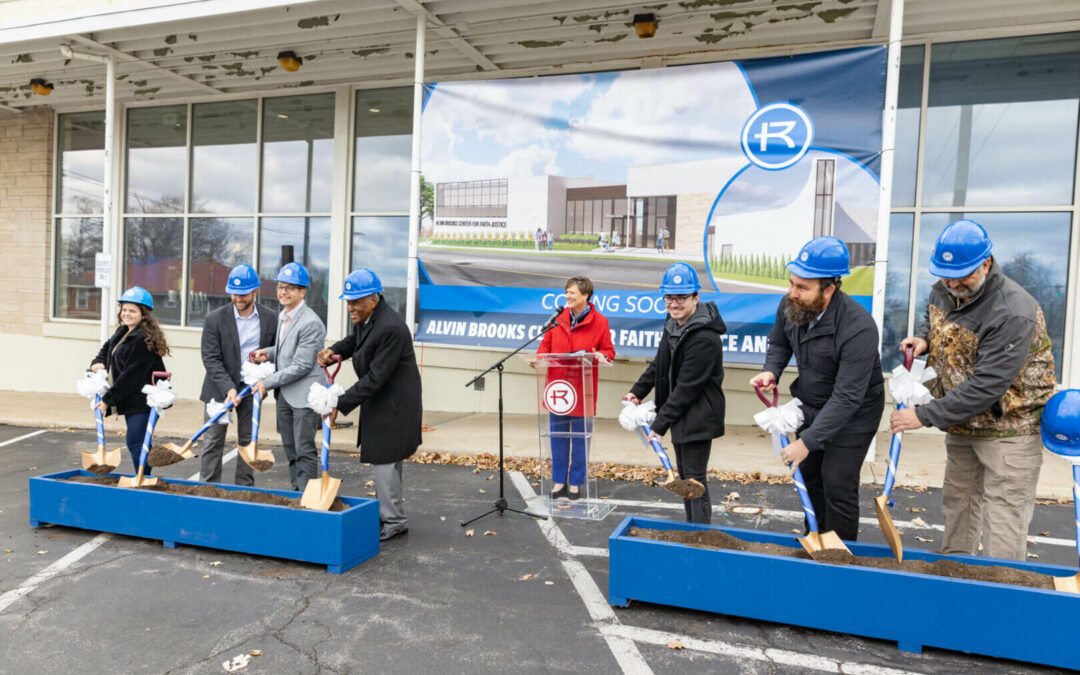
x: 24, y: 437
x: 625, y: 651
x: 26, y: 587
x: 770, y: 654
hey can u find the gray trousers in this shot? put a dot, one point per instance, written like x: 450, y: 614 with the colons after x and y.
x: 989, y: 494
x: 297, y: 427
x: 389, y: 490
x: 213, y: 446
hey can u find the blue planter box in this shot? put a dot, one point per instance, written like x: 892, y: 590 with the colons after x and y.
x: 978, y: 617
x: 340, y: 540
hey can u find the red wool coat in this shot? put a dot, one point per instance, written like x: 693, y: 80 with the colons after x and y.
x: 592, y: 334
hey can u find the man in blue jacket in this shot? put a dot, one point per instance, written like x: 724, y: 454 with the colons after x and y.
x: 835, y: 343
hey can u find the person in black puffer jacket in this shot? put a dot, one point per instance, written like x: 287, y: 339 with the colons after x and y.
x: 131, y: 356
x: 687, y: 375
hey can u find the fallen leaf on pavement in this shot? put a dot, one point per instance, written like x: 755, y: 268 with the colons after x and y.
x: 370, y: 494
x: 796, y: 530
x: 549, y: 583
x: 1044, y: 534
x: 675, y: 644
x: 491, y: 476
x: 918, y: 522
x: 42, y: 552
x: 731, y: 496
x: 489, y: 533
x: 369, y: 483
x: 525, y: 577
x: 922, y: 538
x: 8, y: 550
x: 256, y: 652
x: 442, y: 517
x: 206, y: 576
x: 238, y: 662
x: 469, y: 533
x: 216, y: 563
x: 483, y: 491
x: 1033, y: 555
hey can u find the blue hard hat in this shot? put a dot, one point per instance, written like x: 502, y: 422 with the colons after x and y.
x: 960, y: 248
x: 360, y: 284
x: 137, y: 295
x: 295, y: 274
x: 680, y: 279
x: 1061, y: 423
x: 821, y: 258
x: 243, y: 279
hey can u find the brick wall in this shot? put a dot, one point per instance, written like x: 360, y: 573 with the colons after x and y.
x: 25, y: 193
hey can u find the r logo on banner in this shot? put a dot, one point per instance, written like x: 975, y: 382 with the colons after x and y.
x: 560, y: 397
x: 777, y: 136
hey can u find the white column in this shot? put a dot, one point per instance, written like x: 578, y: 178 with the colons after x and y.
x: 108, y: 213
x: 888, y: 155
x: 340, y: 241
x: 414, y: 175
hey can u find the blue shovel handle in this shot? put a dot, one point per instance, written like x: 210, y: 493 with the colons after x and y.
x: 99, y: 421
x: 325, y: 455
x: 224, y: 411
x: 657, y: 448
x: 894, y: 460
x: 148, y: 437
x: 804, y: 496
x: 256, y: 412
x: 1076, y: 503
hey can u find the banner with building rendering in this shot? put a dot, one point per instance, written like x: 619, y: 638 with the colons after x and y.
x: 730, y: 167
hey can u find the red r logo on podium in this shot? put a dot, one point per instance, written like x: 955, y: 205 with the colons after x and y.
x: 560, y: 397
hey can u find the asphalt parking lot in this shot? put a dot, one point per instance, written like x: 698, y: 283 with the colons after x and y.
x: 528, y: 598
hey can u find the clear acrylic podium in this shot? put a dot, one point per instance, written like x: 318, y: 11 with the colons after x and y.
x: 566, y: 405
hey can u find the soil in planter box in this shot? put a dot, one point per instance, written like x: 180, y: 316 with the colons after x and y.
x: 942, y: 568
x: 100, y: 469
x: 210, y: 491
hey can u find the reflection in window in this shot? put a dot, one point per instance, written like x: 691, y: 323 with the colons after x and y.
x: 298, y: 153
x: 77, y: 240
x: 308, y: 240
x: 907, y: 125
x: 897, y: 289
x: 1001, y: 122
x: 223, y: 157
x: 153, y: 259
x: 81, y: 162
x: 1031, y: 248
x: 381, y: 244
x: 383, y: 156
x: 217, y: 245
x: 156, y: 159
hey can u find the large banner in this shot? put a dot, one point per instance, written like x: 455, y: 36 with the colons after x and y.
x: 730, y: 167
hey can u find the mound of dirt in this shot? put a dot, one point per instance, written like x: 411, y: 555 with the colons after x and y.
x: 206, y: 490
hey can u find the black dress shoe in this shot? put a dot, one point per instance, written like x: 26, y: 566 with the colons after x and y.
x: 561, y: 493
x: 575, y: 495
x: 387, y: 536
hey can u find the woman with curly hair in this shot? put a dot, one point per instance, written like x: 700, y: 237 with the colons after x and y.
x: 131, y: 356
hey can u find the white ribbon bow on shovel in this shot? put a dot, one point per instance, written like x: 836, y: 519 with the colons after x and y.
x: 780, y: 420
x: 634, y: 415
x: 159, y: 396
x: 213, y: 408
x: 93, y: 384
x: 324, y: 399
x: 906, y: 386
x: 251, y: 373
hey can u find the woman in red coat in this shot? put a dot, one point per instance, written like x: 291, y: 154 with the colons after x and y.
x: 580, y: 328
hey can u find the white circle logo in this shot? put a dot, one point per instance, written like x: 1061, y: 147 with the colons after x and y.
x: 560, y: 397
x: 1061, y: 437
x: 677, y: 279
x: 947, y: 256
x: 804, y: 257
x: 777, y: 136
x: 236, y: 282
x: 348, y: 287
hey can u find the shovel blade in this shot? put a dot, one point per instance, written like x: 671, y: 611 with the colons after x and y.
x: 826, y: 547
x: 102, y: 461
x: 1067, y: 584
x: 888, y: 528
x: 138, y: 481
x: 320, y: 493
x: 688, y: 488
x: 259, y: 460
x: 184, y: 451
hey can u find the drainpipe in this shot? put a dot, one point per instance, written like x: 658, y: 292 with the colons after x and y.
x: 412, y: 278
x: 107, y: 207
x: 888, y: 155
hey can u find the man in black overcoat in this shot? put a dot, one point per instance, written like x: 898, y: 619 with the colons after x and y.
x: 387, y: 392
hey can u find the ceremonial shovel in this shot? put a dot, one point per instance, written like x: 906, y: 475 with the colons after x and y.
x: 817, y: 544
x: 138, y: 480
x: 182, y: 453
x: 883, y: 501
x: 101, y: 461
x: 320, y: 492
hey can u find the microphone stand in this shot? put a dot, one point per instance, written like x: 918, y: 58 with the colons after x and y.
x: 500, y: 505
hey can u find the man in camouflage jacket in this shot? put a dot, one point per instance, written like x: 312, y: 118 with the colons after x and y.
x: 986, y: 339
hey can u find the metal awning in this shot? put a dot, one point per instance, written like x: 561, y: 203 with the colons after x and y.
x: 170, y: 49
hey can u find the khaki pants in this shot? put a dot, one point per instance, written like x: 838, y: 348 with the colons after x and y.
x: 990, y: 490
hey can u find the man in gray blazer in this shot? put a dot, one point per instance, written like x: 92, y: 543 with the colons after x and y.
x: 301, y: 334
x: 230, y: 333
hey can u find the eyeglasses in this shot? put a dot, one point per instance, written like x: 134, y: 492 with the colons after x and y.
x: 676, y: 299
x: 288, y: 287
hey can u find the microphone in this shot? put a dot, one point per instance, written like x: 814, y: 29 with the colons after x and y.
x: 558, y: 310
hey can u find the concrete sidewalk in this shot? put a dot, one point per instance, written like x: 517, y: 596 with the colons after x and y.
x: 743, y: 449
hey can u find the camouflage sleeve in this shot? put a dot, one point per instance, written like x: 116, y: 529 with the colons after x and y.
x: 1001, y: 355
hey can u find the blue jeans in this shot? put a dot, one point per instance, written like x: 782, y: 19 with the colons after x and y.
x: 568, y: 454
x: 136, y: 432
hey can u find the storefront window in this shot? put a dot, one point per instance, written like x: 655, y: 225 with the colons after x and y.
x: 381, y: 244
x: 156, y: 159
x: 912, y: 60
x: 77, y: 240
x: 298, y: 154
x: 895, y: 329
x: 309, y: 239
x: 223, y: 157
x: 217, y: 245
x: 81, y: 163
x: 153, y: 255
x: 383, y: 151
